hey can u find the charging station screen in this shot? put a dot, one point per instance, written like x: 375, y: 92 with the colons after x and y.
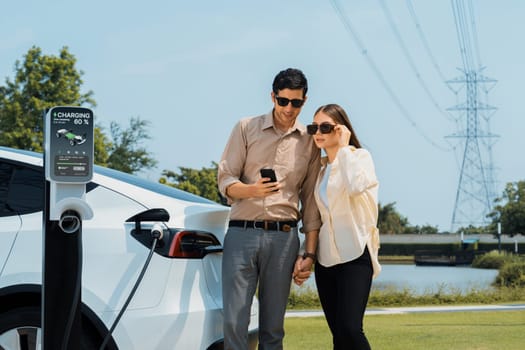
x: 69, y: 141
x: 71, y: 165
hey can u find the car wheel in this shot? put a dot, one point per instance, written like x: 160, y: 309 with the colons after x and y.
x: 20, y: 328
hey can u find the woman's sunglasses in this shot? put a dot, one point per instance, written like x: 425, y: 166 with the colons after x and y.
x: 283, y: 102
x: 325, y: 128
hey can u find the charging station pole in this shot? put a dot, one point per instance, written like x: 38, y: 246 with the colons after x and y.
x: 68, y: 163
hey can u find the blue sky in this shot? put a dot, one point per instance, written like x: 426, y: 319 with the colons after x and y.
x: 193, y: 68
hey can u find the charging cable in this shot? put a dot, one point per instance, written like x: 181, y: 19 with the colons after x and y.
x: 156, y: 233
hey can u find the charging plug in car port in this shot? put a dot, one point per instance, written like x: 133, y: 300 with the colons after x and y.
x: 157, y: 232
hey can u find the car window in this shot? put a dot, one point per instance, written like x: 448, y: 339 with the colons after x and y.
x: 5, y: 176
x: 21, y: 189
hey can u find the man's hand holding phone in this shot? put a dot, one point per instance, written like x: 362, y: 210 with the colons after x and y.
x: 269, y: 180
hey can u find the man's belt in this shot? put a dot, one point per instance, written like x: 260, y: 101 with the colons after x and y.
x: 285, y: 226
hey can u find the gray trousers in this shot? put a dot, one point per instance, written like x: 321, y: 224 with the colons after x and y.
x: 250, y: 256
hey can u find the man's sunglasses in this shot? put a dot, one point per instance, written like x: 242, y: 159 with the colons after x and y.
x: 325, y: 128
x: 283, y: 102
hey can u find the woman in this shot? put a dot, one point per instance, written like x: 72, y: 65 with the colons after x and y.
x: 348, y: 243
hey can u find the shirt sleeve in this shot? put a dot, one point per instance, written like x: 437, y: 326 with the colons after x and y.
x: 232, y: 161
x: 357, y: 169
x: 311, y: 218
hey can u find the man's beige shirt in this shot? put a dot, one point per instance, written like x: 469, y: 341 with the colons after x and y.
x: 255, y: 143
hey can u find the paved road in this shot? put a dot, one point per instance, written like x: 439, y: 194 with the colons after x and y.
x: 416, y: 309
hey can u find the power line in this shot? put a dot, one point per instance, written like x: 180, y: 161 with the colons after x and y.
x: 353, y: 33
x: 409, y: 58
x: 423, y: 39
x: 466, y: 34
x: 474, y: 32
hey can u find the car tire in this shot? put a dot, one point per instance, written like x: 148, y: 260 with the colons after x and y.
x: 20, y: 328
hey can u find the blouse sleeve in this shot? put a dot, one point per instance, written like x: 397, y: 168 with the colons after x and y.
x: 357, y: 169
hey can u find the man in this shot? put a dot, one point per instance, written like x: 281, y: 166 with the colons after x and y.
x: 261, y: 244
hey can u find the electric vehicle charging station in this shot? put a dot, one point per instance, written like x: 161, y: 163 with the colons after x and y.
x: 68, y: 163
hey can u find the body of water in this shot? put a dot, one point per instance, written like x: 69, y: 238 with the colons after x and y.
x: 426, y: 279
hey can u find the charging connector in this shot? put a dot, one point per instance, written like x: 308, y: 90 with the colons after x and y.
x: 157, y: 231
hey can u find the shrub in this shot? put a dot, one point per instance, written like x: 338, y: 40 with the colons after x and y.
x: 512, y: 274
x: 307, y: 299
x: 392, y: 297
x: 492, y: 260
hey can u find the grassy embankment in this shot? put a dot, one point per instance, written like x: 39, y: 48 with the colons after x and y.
x: 510, y: 288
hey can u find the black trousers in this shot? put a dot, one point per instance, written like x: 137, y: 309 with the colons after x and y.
x: 343, y: 291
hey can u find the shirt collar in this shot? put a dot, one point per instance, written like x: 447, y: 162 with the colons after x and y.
x: 298, y: 126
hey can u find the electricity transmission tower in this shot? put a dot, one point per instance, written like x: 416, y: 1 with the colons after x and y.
x: 475, y: 192
x: 476, y: 187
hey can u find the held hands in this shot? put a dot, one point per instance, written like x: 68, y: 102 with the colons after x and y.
x: 343, y: 135
x: 302, y: 270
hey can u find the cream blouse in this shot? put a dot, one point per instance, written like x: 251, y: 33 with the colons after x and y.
x: 349, y: 222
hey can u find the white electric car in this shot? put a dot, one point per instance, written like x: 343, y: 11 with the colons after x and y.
x: 178, y: 304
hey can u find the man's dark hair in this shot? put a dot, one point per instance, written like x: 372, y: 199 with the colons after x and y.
x: 290, y: 78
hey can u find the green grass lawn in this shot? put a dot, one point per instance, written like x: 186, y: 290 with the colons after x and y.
x: 478, y: 330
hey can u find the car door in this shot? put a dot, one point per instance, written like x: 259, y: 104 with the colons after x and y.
x: 21, y: 193
x: 9, y: 227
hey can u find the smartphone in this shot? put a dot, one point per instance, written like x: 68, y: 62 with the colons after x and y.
x: 269, y: 173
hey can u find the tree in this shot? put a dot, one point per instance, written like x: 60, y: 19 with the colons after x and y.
x: 422, y: 230
x: 101, y: 147
x: 390, y: 221
x: 125, y: 151
x: 510, y: 210
x: 474, y: 230
x: 200, y: 182
x: 40, y: 82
